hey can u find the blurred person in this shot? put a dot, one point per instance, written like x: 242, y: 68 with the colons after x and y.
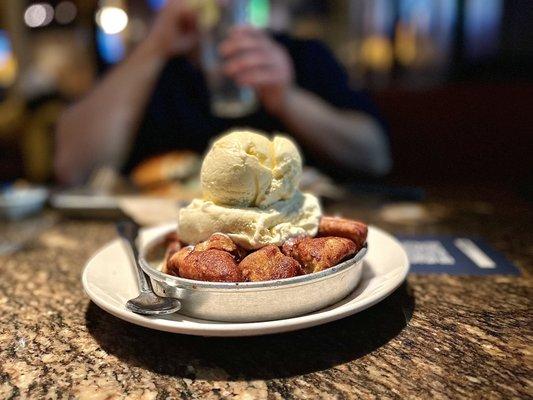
x: 157, y: 100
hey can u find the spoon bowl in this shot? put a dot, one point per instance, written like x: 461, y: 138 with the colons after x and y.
x: 147, y: 302
x: 151, y: 304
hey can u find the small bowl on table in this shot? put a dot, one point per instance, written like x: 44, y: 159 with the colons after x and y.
x: 19, y: 202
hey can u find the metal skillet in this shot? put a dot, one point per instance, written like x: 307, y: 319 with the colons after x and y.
x: 251, y: 301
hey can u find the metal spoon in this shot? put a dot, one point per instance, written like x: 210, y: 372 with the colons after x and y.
x: 147, y: 303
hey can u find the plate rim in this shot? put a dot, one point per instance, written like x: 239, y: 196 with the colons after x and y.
x: 238, y: 329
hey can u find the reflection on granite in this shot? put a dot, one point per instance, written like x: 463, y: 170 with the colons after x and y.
x: 435, y: 337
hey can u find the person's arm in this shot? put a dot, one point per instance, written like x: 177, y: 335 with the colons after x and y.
x: 99, y: 128
x: 353, y: 140
x: 350, y: 139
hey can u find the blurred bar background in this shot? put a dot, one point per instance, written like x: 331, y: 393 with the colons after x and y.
x: 452, y: 77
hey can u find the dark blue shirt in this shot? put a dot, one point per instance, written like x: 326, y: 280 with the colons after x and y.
x: 178, y: 114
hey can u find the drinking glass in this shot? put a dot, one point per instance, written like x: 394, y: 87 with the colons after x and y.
x: 228, y: 100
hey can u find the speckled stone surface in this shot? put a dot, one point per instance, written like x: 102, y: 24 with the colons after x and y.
x: 436, y: 337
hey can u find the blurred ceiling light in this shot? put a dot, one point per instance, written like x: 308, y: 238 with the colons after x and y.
x: 482, y: 27
x: 66, y: 12
x: 259, y: 12
x: 112, y: 20
x: 156, y: 4
x: 5, y: 47
x: 377, y: 53
x: 110, y: 47
x: 405, y: 45
x: 8, y: 63
x: 39, y: 14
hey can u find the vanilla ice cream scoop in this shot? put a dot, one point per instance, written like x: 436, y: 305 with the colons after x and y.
x: 250, y: 193
x: 251, y: 227
x: 247, y: 169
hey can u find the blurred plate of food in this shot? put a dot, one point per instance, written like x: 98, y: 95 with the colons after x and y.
x: 152, y: 191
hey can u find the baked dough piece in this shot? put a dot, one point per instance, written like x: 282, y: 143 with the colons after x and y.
x: 209, y: 265
x: 177, y: 259
x: 269, y: 263
x: 220, y: 241
x: 215, y: 259
x: 318, y: 254
x: 347, y: 228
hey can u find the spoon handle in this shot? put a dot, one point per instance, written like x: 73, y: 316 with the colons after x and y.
x: 129, y: 230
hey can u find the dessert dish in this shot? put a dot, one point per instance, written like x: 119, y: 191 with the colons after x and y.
x: 252, y: 224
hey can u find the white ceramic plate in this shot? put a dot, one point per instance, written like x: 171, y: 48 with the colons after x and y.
x: 109, y: 280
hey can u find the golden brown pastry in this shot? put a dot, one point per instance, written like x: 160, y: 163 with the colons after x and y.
x: 220, y: 241
x: 209, y: 265
x: 317, y: 254
x: 269, y: 263
x: 217, y: 259
x: 214, y: 260
x: 176, y: 260
x: 347, y: 228
x: 172, y: 248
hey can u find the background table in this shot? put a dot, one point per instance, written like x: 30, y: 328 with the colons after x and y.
x: 437, y: 336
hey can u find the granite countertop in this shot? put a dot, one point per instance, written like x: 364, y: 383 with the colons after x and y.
x: 437, y: 336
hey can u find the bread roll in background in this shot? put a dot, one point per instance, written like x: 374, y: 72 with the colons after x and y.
x: 173, y: 166
x: 171, y: 175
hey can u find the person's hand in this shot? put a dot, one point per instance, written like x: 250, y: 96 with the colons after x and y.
x: 253, y: 59
x: 175, y: 29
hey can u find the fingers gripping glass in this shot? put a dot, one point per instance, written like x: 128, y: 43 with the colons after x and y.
x: 228, y: 100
